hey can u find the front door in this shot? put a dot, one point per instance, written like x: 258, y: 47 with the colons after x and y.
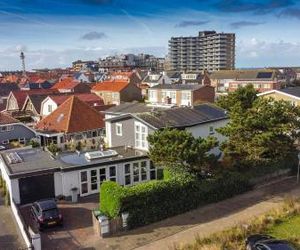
x: 90, y: 180
x: 93, y: 181
x: 84, y: 186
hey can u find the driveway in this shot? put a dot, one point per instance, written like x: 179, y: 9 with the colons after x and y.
x: 78, y: 232
x: 10, y: 236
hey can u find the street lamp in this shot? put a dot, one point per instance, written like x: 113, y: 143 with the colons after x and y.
x: 298, y: 172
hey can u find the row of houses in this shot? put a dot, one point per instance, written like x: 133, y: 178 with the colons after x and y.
x: 110, y: 145
x: 98, y: 145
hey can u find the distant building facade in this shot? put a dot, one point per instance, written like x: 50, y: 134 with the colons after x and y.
x: 208, y: 51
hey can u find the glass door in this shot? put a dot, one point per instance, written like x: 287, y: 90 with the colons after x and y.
x: 84, y: 188
x: 127, y: 174
x: 93, y: 181
x: 102, y: 175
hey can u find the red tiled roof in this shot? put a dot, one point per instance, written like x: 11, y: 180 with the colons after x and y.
x: 66, y: 83
x: 7, y: 119
x: 21, y: 95
x: 122, y: 73
x: 89, y: 98
x: 72, y: 116
x: 113, y: 86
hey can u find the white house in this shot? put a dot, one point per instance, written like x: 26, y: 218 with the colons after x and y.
x: 133, y: 129
x: 33, y: 174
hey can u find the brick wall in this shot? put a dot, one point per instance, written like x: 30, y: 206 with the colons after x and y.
x: 204, y: 94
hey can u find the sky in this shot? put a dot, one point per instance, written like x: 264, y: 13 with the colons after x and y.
x: 53, y: 33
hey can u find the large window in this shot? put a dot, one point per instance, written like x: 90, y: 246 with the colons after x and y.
x: 102, y: 175
x: 143, y: 170
x: 136, y: 172
x: 127, y: 174
x: 112, y: 173
x: 84, y: 182
x: 141, y: 133
x: 152, y: 171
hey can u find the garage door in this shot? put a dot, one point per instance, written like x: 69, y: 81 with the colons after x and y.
x: 36, y: 187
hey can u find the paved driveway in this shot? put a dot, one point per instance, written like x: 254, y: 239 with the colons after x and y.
x: 10, y: 236
x: 78, y: 231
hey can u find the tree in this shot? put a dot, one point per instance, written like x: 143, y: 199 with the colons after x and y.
x: 243, y: 98
x: 178, y: 149
x: 263, y: 133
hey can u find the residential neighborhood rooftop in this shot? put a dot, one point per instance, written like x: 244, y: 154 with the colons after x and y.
x: 7, y: 119
x: 130, y: 108
x: 183, y: 116
x: 36, y: 159
x: 72, y: 116
x: 114, y: 86
x: 177, y: 86
x: 295, y: 91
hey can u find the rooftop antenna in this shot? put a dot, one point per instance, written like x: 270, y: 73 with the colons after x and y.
x: 22, y: 56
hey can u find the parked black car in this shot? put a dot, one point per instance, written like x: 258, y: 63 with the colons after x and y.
x: 266, y: 242
x: 46, y: 214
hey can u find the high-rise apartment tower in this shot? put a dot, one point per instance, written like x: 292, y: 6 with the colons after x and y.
x: 208, y: 51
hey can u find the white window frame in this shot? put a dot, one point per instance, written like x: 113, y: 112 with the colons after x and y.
x: 119, y: 126
x: 50, y: 109
x: 140, y: 135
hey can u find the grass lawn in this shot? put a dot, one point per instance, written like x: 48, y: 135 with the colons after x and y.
x: 287, y: 228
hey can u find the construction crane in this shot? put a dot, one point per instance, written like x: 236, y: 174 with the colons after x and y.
x: 22, y: 56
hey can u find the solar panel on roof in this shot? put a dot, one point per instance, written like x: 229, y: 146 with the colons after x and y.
x: 264, y: 75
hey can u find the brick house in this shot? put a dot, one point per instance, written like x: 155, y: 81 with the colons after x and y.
x: 181, y: 94
x: 70, y: 85
x: 73, y: 123
x: 115, y: 92
x: 52, y: 102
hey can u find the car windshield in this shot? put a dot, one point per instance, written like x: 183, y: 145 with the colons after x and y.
x: 50, y: 213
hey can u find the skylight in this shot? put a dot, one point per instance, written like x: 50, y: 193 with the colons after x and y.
x: 60, y: 117
x: 13, y: 158
x: 100, y: 154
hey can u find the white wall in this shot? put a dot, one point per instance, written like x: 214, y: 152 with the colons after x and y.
x: 203, y: 131
x: 108, y: 134
x: 69, y: 180
x: 58, y: 185
x: 45, y: 104
x: 12, y: 184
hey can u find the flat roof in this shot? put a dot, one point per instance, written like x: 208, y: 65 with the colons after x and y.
x: 35, y: 160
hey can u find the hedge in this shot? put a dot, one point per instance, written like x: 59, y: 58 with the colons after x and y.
x: 156, y: 200
x: 110, y: 199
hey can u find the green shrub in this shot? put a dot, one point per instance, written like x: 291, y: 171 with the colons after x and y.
x: 34, y: 143
x: 110, y: 198
x: 53, y: 148
x: 156, y: 200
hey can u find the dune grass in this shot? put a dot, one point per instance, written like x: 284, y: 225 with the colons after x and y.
x: 282, y: 223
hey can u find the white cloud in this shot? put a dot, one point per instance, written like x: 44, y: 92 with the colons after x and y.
x: 259, y: 53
